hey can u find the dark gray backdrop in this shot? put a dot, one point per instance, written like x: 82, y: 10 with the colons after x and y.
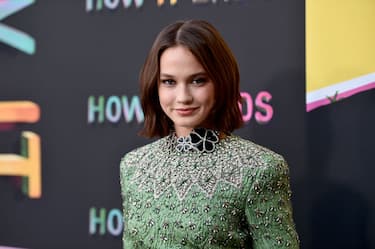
x: 81, y: 54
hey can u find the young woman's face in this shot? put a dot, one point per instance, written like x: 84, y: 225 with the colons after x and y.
x: 186, y: 93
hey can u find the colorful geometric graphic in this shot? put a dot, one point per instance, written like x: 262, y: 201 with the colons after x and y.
x: 28, y: 163
x: 19, y: 112
x: 171, y: 2
x: 12, y: 36
x: 340, y: 51
x: 7, y: 247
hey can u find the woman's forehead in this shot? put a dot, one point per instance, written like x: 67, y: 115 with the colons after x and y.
x: 179, y: 60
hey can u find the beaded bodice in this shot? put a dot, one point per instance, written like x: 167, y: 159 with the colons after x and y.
x: 235, y: 195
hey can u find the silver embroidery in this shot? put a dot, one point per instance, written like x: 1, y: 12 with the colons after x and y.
x: 199, y: 139
x: 162, y: 168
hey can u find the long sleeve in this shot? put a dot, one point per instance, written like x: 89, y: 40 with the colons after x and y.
x: 268, y: 207
x: 124, y: 202
x: 126, y: 198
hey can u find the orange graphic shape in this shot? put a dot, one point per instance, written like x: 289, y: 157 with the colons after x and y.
x: 19, y: 112
x: 161, y: 2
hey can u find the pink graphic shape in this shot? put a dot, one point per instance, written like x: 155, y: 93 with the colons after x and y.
x: 261, y: 101
x: 313, y: 105
x: 249, y: 105
x: 7, y: 126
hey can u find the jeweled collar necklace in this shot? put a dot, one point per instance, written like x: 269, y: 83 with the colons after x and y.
x: 199, y: 140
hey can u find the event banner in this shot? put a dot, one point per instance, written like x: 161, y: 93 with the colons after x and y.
x: 70, y: 105
x: 340, y: 50
x: 70, y: 109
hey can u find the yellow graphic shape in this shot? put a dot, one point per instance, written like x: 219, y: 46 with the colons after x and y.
x: 28, y: 163
x: 340, y: 51
x: 172, y: 2
x: 19, y: 112
x: 340, y: 38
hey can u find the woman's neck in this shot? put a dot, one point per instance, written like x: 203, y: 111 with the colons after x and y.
x: 183, y: 131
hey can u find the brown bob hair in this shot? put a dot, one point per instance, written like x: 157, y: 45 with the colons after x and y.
x: 210, y: 49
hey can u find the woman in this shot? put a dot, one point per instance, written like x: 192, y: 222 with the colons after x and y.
x: 199, y: 186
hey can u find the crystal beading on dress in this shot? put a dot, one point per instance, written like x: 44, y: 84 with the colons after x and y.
x: 237, y: 193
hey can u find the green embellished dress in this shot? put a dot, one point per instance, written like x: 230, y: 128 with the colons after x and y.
x: 231, y: 194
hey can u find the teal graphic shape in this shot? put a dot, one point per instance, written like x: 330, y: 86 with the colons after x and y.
x: 11, y: 36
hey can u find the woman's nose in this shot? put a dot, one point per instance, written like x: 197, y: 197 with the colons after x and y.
x: 183, y: 94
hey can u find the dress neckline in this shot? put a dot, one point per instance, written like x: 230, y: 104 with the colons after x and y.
x: 199, y: 140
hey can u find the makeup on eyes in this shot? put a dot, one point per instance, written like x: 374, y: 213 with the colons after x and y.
x: 198, y: 78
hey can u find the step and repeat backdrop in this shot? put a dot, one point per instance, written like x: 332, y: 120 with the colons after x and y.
x: 70, y: 109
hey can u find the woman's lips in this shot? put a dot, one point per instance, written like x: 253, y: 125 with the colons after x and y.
x: 185, y: 111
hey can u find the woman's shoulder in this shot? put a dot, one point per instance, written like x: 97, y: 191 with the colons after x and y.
x: 257, y: 159
x: 132, y: 157
x: 260, y: 154
x: 264, y: 165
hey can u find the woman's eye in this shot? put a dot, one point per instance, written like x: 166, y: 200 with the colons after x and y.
x: 168, y: 82
x: 199, y: 81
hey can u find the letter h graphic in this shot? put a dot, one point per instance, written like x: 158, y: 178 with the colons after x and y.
x: 27, y: 164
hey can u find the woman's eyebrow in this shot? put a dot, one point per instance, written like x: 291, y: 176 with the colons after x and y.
x: 198, y: 74
x: 166, y: 75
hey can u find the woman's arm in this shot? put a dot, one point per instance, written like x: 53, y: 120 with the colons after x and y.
x: 268, y: 207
